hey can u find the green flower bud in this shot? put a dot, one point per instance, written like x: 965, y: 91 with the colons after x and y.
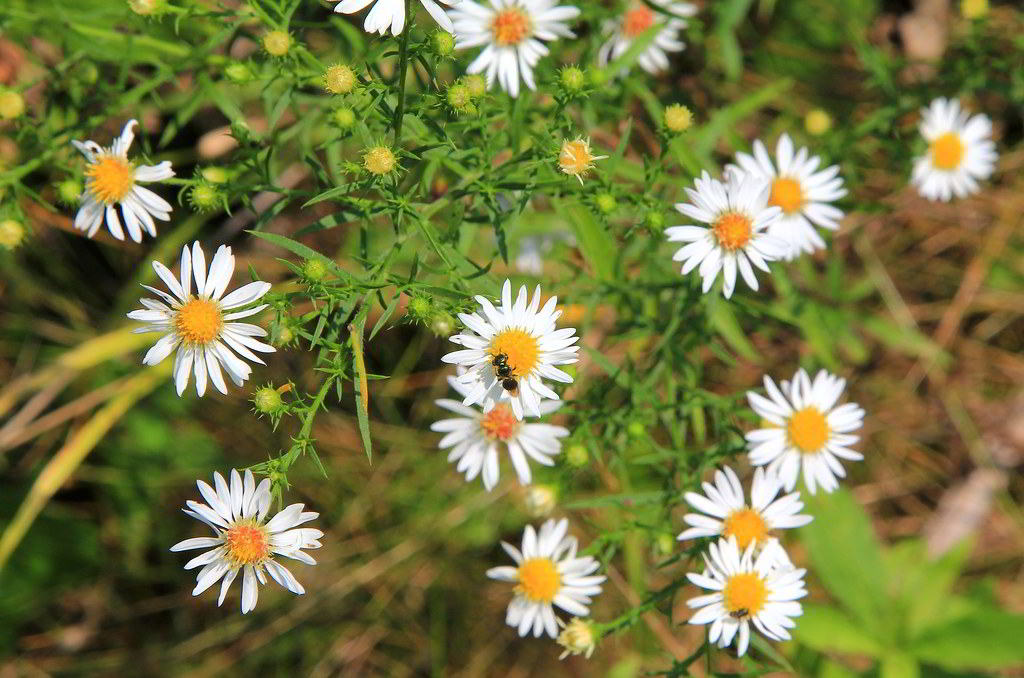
x: 606, y: 203
x: 267, y: 400
x: 477, y: 85
x: 238, y: 72
x: 678, y: 118
x: 576, y: 455
x: 420, y: 308
x: 443, y: 43
x: 12, y: 105
x: 339, y: 79
x: 215, y: 175
x: 314, y: 270
x: 205, y: 197
x: 277, y: 43
x: 69, y: 191
x: 573, y: 79
x: 344, y: 117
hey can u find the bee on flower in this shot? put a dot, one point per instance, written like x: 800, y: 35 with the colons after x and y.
x: 670, y: 18
x: 244, y: 541
x: 746, y: 591
x: 736, y: 237
x: 547, y: 573
x: 513, y: 33
x: 112, y: 182
x: 200, y: 328
x: 960, y: 151
x: 510, y: 351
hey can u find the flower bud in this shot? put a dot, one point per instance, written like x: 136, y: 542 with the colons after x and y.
x: 277, y: 43
x: 340, y: 79
x: 817, y: 122
x: 12, y: 233
x: 678, y: 118
x: 12, y: 105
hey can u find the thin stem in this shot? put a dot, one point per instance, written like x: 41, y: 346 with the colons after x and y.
x: 403, y: 63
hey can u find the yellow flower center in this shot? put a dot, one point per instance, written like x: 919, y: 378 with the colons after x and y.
x: 787, y: 194
x: 575, y: 158
x: 520, y: 349
x: 637, y: 20
x: 947, y: 151
x: 198, y: 321
x: 744, y: 595
x: 111, y: 178
x: 732, y: 230
x: 539, y: 580
x: 746, y: 525
x: 510, y: 27
x: 247, y: 544
x: 807, y: 430
x: 500, y: 423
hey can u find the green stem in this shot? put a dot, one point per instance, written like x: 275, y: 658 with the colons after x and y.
x: 403, y: 63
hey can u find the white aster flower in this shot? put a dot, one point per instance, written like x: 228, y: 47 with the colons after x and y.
x: 201, y: 326
x: 724, y: 511
x: 803, y: 427
x: 513, y: 31
x: 738, y: 216
x: 526, y: 339
x: 802, y: 191
x: 746, y: 591
x: 960, y: 151
x: 112, y: 181
x: 547, y: 572
x: 387, y: 14
x: 242, y: 542
x: 476, y: 437
x: 639, y: 18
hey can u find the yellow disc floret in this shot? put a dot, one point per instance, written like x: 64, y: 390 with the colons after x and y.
x: 947, y: 151
x: 787, y: 194
x: 111, y: 178
x: 733, y: 230
x: 510, y: 27
x: 744, y: 594
x: 807, y: 429
x: 576, y: 158
x: 198, y: 322
x: 520, y: 348
x: 539, y: 580
x: 247, y: 544
x: 746, y: 525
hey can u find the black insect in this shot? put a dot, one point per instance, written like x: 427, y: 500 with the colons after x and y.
x: 740, y: 613
x: 501, y: 366
x: 510, y: 385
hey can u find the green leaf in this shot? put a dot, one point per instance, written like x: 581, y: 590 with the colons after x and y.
x: 828, y: 629
x: 598, y: 247
x: 847, y: 558
x: 925, y: 583
x: 987, y: 638
x: 897, y: 664
x: 723, y: 320
x: 359, y: 380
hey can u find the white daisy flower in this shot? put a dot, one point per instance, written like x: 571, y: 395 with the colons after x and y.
x: 746, y: 591
x: 387, y: 14
x: 738, y: 216
x: 201, y: 326
x: 476, y: 436
x: 724, y: 511
x: 960, y: 151
x: 112, y: 181
x: 519, y: 336
x: 637, y: 20
x: 242, y: 541
x: 803, y: 427
x: 802, y: 191
x: 547, y: 572
x: 513, y: 31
